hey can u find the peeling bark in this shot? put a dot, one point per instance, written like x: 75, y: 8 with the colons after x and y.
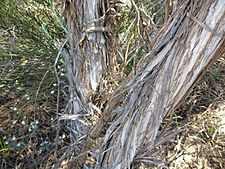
x: 187, y: 45
x: 86, y: 56
x: 189, y: 42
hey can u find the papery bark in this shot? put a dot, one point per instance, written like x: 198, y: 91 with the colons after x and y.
x: 190, y: 41
x: 188, y: 44
x: 86, y: 56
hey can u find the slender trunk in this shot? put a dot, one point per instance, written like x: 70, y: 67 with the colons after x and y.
x: 86, y: 56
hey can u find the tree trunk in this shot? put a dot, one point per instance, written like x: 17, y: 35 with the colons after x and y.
x: 87, y: 59
x: 190, y: 41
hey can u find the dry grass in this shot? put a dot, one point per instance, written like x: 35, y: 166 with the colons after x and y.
x: 203, y: 145
x: 28, y: 135
x: 28, y: 125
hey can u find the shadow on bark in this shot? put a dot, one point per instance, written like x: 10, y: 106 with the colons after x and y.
x: 129, y: 110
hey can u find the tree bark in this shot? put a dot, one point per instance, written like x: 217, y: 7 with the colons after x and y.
x: 87, y: 58
x: 187, y: 45
x: 190, y: 41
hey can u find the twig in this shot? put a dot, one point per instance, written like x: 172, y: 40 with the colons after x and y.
x: 11, y: 48
x: 39, y: 87
x: 58, y: 90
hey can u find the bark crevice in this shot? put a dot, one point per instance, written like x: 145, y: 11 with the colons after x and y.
x: 132, y: 113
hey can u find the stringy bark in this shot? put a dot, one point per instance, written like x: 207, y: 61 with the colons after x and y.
x: 187, y: 45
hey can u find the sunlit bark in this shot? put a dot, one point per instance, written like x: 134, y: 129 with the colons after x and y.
x: 189, y: 42
x: 86, y: 56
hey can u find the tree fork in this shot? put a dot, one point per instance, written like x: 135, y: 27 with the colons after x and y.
x: 190, y: 41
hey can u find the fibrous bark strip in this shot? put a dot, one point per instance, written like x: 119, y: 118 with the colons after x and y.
x: 189, y: 42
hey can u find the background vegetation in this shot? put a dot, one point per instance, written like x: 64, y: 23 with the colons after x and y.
x: 30, y: 35
x: 30, y: 32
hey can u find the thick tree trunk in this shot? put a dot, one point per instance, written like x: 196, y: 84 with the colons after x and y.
x: 186, y: 46
x: 87, y: 58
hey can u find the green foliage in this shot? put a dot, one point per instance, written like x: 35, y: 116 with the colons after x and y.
x: 132, y: 42
x: 3, y: 148
x: 30, y: 33
x: 33, y: 26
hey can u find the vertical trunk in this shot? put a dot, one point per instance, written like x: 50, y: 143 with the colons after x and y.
x: 87, y: 58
